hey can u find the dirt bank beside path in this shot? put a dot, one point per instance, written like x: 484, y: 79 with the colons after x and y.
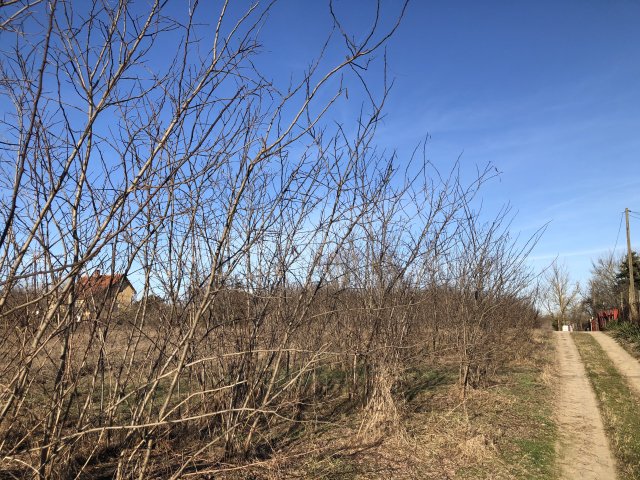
x: 623, y: 361
x: 583, y: 449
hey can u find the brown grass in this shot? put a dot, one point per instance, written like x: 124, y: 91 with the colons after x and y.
x: 504, y: 431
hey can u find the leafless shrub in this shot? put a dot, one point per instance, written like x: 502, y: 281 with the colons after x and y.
x: 279, y: 259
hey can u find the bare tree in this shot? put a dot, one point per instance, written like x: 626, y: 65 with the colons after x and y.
x: 560, y: 295
x: 603, y: 291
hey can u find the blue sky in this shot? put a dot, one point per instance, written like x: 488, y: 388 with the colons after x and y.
x: 549, y: 92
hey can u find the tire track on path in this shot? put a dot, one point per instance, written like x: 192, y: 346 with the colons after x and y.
x: 583, y: 449
x: 623, y: 361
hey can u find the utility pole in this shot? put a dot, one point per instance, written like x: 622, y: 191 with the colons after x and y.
x: 633, y: 307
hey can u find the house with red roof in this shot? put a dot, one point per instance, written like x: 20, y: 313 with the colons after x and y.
x: 98, y: 292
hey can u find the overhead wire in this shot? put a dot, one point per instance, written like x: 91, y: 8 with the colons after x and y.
x: 618, y: 235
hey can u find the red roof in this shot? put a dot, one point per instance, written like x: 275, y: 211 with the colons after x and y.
x: 97, y: 283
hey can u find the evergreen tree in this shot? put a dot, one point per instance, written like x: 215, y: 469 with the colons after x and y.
x: 622, y: 277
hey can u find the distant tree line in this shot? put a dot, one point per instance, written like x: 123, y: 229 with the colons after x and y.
x: 608, y: 286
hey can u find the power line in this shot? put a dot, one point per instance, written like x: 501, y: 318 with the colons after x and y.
x: 633, y: 307
x: 618, y: 236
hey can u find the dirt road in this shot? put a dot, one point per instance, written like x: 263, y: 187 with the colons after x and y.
x: 583, y: 448
x: 625, y: 363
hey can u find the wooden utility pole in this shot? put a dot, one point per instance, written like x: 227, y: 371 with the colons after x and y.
x: 633, y: 307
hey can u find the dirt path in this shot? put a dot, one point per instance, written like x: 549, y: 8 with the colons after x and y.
x: 625, y: 363
x: 583, y: 448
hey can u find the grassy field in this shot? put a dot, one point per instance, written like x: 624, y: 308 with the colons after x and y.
x: 503, y: 431
x: 620, y: 408
x: 518, y: 414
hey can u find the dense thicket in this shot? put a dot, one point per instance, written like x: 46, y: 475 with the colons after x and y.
x: 279, y: 259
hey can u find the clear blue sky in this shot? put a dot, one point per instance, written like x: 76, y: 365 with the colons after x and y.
x: 547, y: 91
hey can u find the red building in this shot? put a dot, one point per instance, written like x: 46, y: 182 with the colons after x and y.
x: 603, y: 318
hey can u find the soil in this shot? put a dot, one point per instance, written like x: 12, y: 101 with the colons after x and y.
x: 623, y: 361
x: 584, y: 451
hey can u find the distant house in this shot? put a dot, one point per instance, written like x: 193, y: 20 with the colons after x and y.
x: 99, y: 292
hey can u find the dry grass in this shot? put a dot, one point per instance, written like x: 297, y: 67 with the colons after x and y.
x: 504, y: 431
x: 428, y: 433
x: 627, y: 335
x: 618, y: 404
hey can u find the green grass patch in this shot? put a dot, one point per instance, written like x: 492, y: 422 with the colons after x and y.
x: 620, y: 408
x: 418, y: 381
x: 517, y: 414
x: 528, y: 446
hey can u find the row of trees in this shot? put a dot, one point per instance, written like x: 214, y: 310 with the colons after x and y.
x: 280, y: 259
x: 608, y: 287
x: 609, y: 283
